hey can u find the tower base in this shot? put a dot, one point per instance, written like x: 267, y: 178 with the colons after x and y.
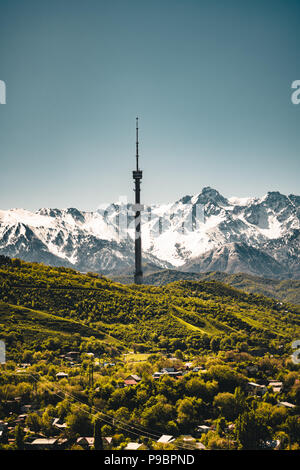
x: 138, y: 278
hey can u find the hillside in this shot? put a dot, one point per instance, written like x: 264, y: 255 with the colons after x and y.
x: 184, y: 314
x: 40, y: 325
x: 287, y: 290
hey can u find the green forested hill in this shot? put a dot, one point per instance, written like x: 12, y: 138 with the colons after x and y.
x: 38, y: 324
x: 187, y: 315
x: 287, y: 290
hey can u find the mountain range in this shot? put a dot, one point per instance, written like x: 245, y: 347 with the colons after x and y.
x: 201, y: 233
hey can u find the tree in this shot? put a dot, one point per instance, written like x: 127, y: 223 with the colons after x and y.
x: 27, y: 356
x: 19, y: 437
x: 179, y: 354
x: 46, y: 421
x: 240, y: 400
x: 106, y: 430
x: 227, y: 378
x: 221, y: 426
x: 292, y: 426
x: 226, y: 403
x: 157, y: 416
x: 189, y: 411
x: 217, y: 443
x: 33, y: 422
x: 196, y: 387
x: 63, y: 408
x: 214, y: 344
x: 122, y: 415
x: 251, y: 431
x: 79, y: 422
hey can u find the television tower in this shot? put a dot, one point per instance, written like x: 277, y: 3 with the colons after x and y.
x: 137, y: 176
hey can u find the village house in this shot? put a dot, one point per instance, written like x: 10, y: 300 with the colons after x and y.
x: 26, y: 408
x: 202, y: 429
x: 157, y: 375
x: 73, y: 354
x: 134, y: 446
x: 190, y: 440
x: 188, y: 365
x: 90, y: 354
x: 165, y: 439
x: 168, y: 370
x: 58, y: 424
x: 173, y: 372
x: 286, y: 404
x: 63, y: 443
x: 256, y: 389
x: 20, y: 419
x: 85, y: 442
x: 129, y: 382
x: 200, y: 446
x: 133, y: 377
x: 62, y: 375
x: 107, y: 440
x: 42, y: 444
x: 276, y: 386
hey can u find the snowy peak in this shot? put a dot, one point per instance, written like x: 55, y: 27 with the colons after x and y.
x: 210, y: 195
x: 207, y: 195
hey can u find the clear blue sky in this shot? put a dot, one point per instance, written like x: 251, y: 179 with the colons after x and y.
x: 210, y: 80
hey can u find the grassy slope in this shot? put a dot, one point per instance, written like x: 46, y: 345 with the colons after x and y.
x: 37, y: 324
x: 285, y: 290
x: 56, y: 300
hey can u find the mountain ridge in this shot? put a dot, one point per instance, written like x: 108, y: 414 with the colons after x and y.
x: 285, y: 290
x: 204, y: 232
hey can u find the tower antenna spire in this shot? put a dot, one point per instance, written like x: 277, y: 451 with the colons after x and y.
x: 137, y: 143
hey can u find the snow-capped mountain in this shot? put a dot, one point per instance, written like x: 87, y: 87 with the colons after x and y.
x: 204, y: 232
x: 83, y: 240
